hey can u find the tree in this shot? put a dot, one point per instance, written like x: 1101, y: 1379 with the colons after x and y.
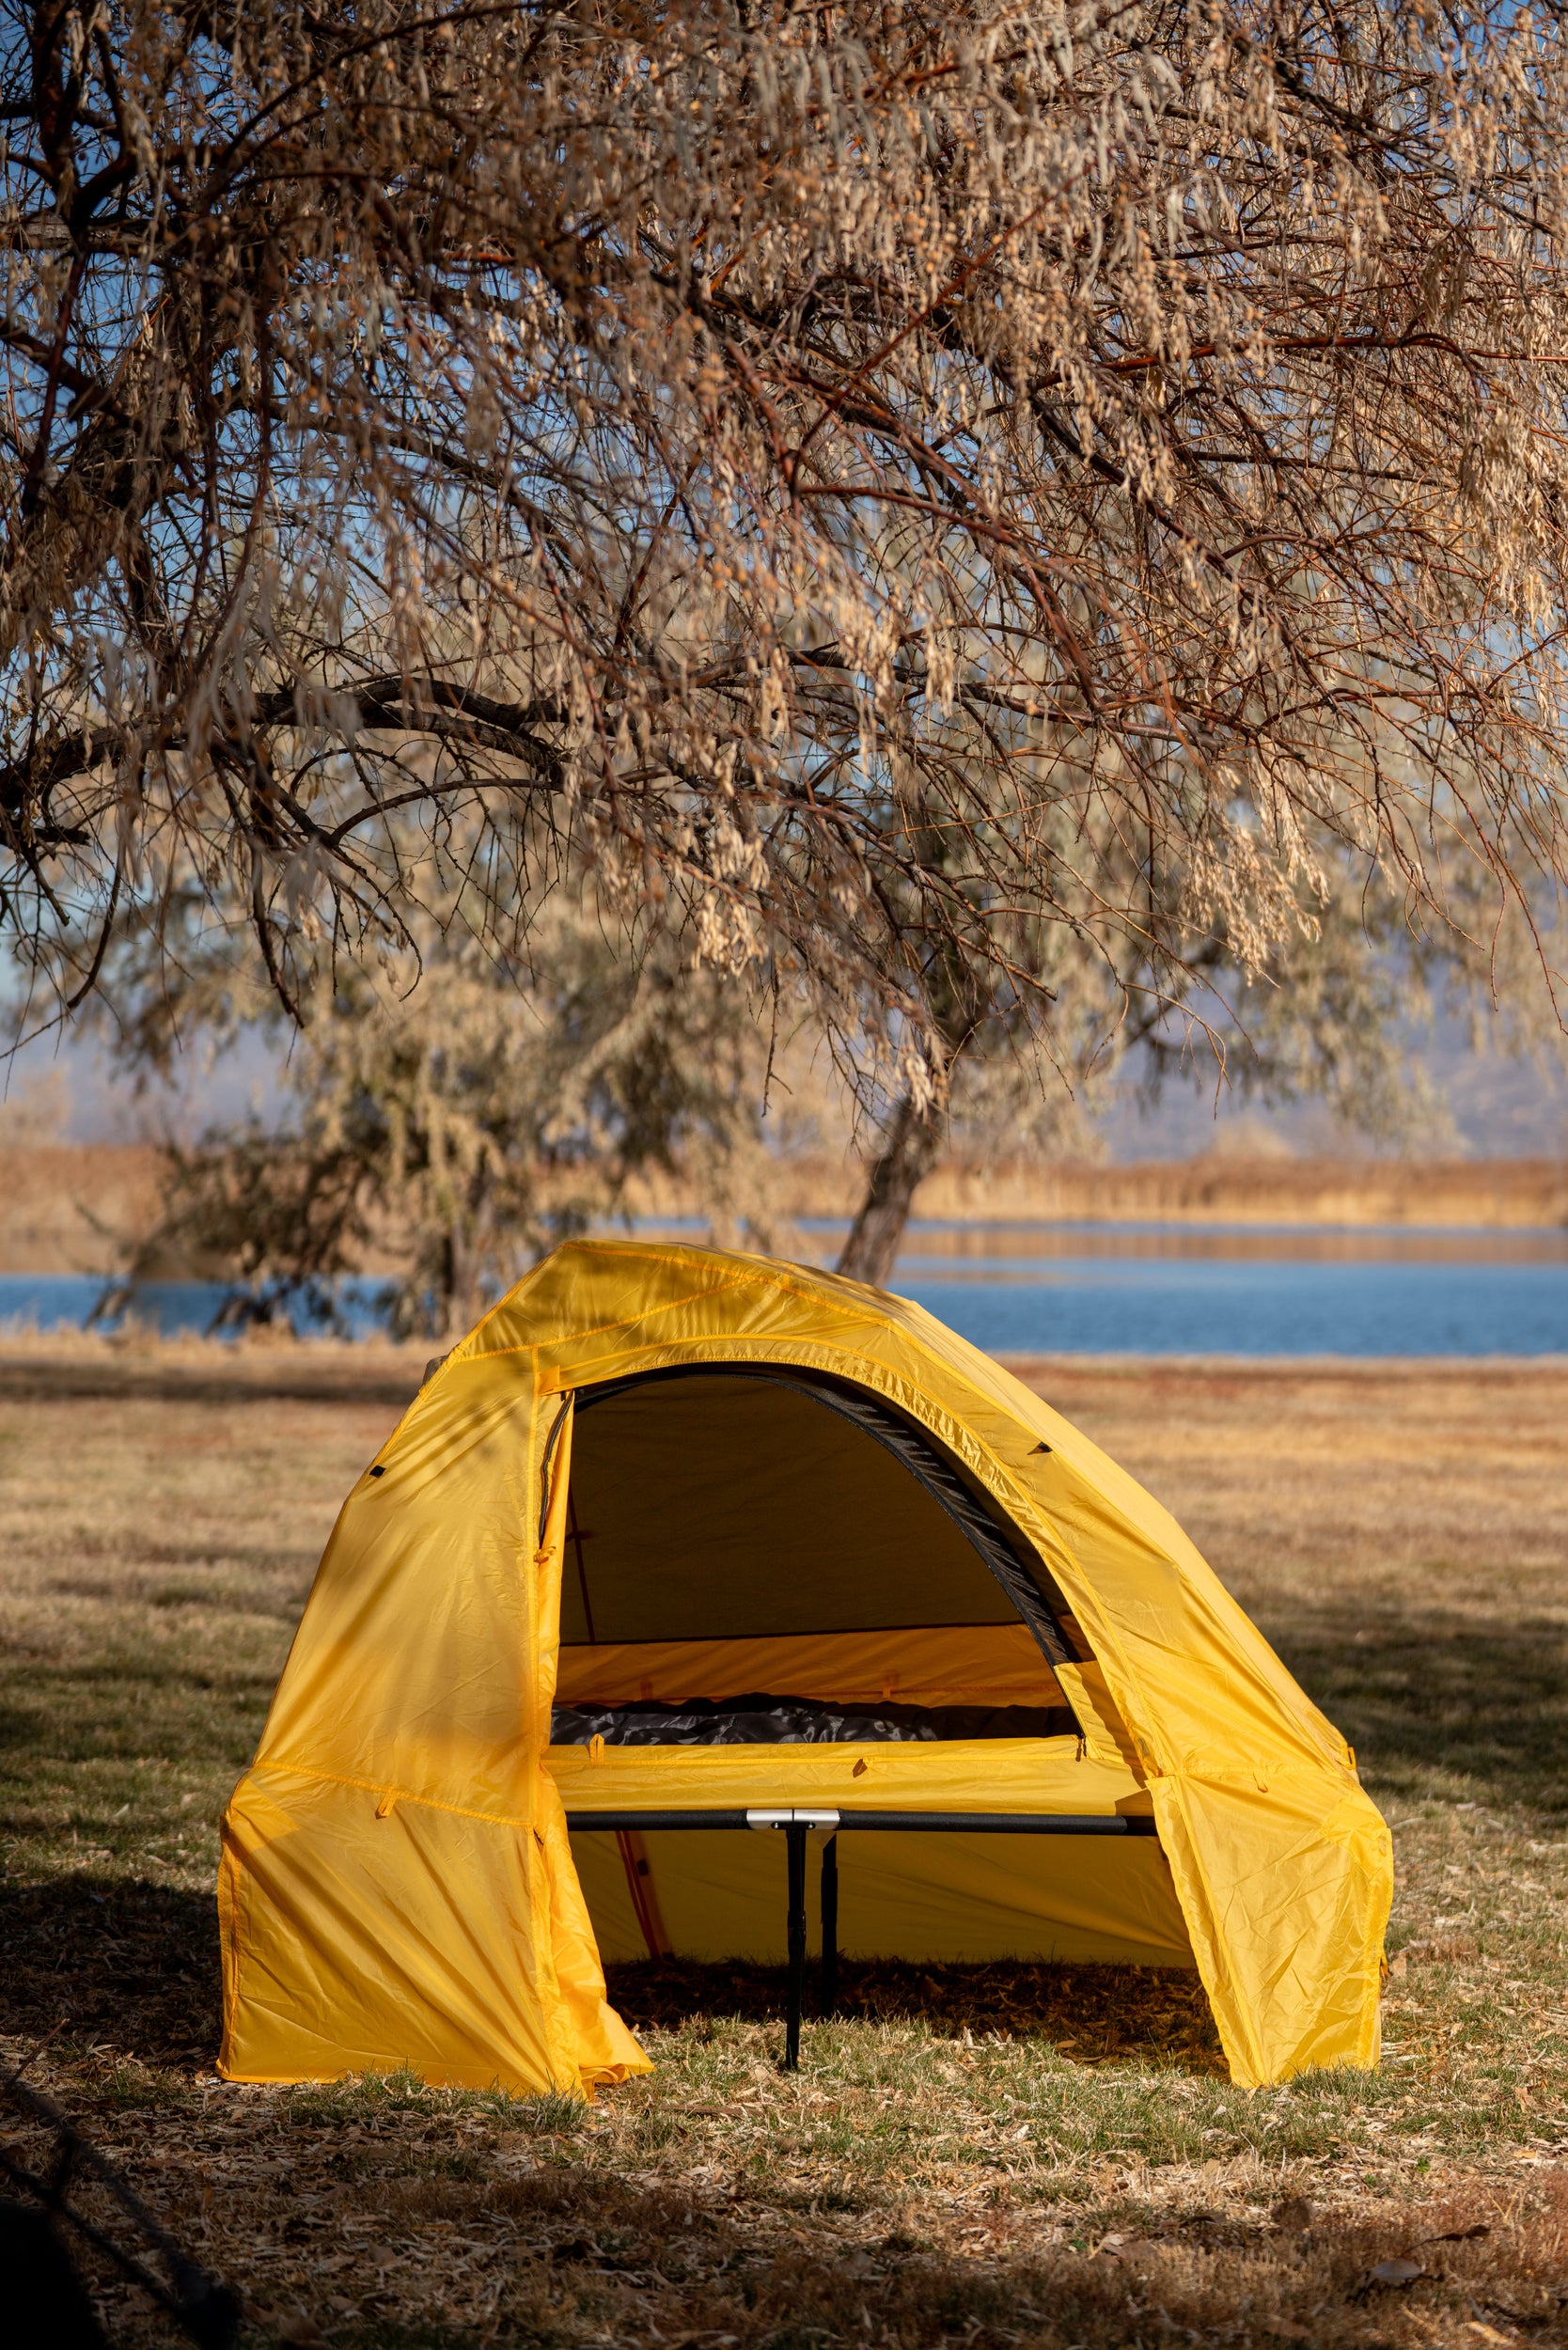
x: 1331, y: 1009
x: 459, y: 1117
x: 902, y: 492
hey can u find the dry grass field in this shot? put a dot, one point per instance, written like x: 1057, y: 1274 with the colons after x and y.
x: 993, y: 2158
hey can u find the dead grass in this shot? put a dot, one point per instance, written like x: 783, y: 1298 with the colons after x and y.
x: 993, y: 2155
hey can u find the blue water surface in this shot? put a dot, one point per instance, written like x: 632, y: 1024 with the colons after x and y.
x: 1183, y: 1306
x: 67, y: 1301
x: 1099, y: 1303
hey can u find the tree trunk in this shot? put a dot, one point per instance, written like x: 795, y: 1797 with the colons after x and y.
x: 914, y: 1145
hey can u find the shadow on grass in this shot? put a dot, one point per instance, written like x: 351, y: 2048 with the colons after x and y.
x: 134, y: 1966
x: 1422, y: 1694
x: 591, y: 2259
x: 1101, y: 2015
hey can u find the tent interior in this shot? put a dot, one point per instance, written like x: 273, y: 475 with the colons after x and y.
x: 777, y: 1590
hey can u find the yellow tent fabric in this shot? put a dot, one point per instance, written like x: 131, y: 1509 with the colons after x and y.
x: 398, y: 1886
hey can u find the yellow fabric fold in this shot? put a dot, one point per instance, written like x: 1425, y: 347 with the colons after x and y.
x: 990, y: 1664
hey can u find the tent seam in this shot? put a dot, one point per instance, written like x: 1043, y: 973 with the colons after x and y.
x: 540, y: 1346
x: 740, y: 1275
x: 392, y: 1795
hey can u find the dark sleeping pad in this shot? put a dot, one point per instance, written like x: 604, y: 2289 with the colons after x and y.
x: 761, y: 1720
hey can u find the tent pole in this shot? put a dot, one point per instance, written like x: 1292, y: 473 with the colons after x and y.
x: 830, y: 1926
x: 794, y: 1842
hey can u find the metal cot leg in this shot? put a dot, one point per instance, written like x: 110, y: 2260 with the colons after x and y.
x: 830, y: 1926
x: 794, y: 1841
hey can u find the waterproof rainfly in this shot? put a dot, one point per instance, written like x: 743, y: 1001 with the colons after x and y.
x: 678, y: 1542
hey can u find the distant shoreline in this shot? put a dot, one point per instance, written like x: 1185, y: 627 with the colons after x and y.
x: 1501, y: 1194
x: 73, y: 1208
x: 387, y: 1372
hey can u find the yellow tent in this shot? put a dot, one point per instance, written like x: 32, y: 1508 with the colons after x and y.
x: 751, y: 1540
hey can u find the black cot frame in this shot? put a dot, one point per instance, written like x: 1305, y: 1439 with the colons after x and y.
x: 799, y: 1823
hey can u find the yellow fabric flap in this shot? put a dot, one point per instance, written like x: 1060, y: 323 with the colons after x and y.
x: 1086, y: 1690
x: 958, y: 1774
x: 989, y: 1663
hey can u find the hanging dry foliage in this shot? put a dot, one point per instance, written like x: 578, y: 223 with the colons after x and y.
x: 894, y: 486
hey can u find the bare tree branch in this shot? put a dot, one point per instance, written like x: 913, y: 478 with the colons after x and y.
x: 923, y: 505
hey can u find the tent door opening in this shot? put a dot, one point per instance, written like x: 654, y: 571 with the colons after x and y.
x: 767, y: 1559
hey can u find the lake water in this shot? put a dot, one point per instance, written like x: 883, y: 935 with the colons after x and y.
x: 1129, y: 1289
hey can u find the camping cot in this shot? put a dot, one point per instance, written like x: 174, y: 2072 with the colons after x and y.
x: 680, y: 1541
